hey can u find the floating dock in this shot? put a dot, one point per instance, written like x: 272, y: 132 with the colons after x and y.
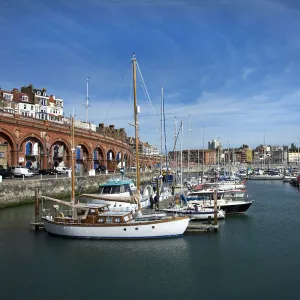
x: 201, y: 227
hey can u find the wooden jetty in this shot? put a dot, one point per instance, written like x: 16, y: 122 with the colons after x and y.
x: 202, y: 227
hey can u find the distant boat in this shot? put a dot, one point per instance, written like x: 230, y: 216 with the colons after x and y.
x: 266, y: 177
x: 288, y: 178
x: 230, y: 206
x: 199, y: 213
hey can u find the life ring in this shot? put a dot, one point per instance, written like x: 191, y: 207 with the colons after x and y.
x: 61, y: 215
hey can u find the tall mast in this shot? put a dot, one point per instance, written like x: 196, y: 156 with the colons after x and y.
x: 203, y: 154
x: 161, y: 128
x: 175, y: 152
x: 189, y: 147
x: 136, y: 125
x: 181, y: 125
x: 87, y: 100
x: 72, y: 161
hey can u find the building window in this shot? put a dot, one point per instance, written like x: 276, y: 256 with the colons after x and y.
x: 8, y: 97
x: 38, y: 93
x: 44, y: 94
x: 24, y: 106
x: 32, y: 108
x: 1, y: 154
x: 24, y: 98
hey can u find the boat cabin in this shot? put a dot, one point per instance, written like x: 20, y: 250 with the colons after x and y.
x: 93, y: 214
x: 117, y: 186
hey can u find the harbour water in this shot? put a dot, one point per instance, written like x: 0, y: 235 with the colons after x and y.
x: 253, y: 256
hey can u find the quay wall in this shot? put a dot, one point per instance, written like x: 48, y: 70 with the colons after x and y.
x: 18, y: 192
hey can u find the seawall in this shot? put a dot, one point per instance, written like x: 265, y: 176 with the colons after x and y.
x: 18, y: 192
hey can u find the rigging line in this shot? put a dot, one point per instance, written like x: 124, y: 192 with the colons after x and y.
x: 177, y: 135
x: 145, y: 90
x: 130, y: 128
x: 122, y: 82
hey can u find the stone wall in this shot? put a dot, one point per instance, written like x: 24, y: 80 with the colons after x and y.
x: 17, y: 192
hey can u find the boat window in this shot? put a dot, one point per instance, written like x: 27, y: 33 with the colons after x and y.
x: 110, y: 190
x: 106, y: 190
x: 122, y: 189
x: 126, y: 218
x: 115, y: 189
x: 109, y: 220
x: 101, y: 220
x: 117, y: 220
x: 92, y: 211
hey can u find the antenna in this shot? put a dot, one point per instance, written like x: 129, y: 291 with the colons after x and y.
x: 86, y: 105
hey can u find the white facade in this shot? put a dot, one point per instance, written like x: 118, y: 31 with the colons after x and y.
x: 294, y: 157
x: 214, y: 144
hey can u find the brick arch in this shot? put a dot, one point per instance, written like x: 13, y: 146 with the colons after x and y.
x: 101, y: 148
x: 63, y: 141
x: 83, y: 163
x: 58, y: 160
x: 38, y: 160
x: 112, y: 150
x: 86, y: 146
x: 36, y: 137
x: 12, y: 147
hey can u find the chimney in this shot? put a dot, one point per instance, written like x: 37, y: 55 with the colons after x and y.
x: 30, y: 85
x: 112, y: 126
x: 101, y: 125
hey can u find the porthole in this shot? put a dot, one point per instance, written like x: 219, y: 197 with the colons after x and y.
x: 136, y: 228
x: 124, y: 229
x: 153, y: 227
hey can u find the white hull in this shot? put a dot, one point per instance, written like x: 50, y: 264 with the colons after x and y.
x: 266, y: 177
x: 234, y: 195
x: 201, y: 215
x: 159, y: 229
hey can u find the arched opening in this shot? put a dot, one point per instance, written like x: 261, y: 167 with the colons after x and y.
x: 59, y: 155
x: 81, y: 158
x: 111, y: 163
x: 7, y: 151
x: 119, y: 160
x: 30, y: 154
x: 98, y: 157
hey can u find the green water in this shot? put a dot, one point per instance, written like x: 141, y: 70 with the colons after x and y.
x: 253, y: 256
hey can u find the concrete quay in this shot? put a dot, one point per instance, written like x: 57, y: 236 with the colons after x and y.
x: 19, y: 192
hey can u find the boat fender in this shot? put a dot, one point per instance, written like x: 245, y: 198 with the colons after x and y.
x: 61, y: 215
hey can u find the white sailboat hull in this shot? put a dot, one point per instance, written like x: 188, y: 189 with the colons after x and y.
x: 162, y: 229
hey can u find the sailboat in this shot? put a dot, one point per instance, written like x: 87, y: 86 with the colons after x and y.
x: 83, y: 220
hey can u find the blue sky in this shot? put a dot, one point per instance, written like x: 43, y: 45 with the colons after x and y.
x: 233, y: 66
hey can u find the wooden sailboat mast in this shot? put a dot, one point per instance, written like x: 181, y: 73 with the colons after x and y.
x: 136, y: 126
x: 72, y: 161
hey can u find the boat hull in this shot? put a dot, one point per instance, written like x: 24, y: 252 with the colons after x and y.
x: 163, y: 229
x: 196, y: 215
x: 265, y: 177
x: 231, y: 209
